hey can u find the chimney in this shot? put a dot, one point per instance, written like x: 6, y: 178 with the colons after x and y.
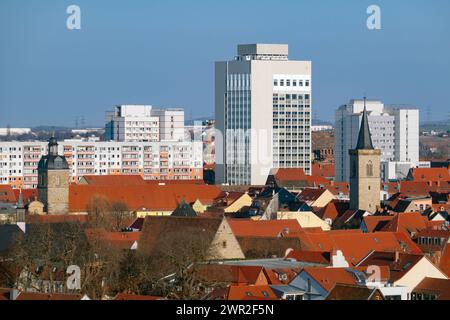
x: 13, y: 294
x: 397, y: 256
x: 338, y: 260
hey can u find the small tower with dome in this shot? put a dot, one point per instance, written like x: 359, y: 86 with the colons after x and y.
x: 53, y: 180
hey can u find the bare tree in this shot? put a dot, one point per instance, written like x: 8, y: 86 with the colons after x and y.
x: 120, y: 215
x: 167, y: 269
x: 99, y: 212
x: 47, y: 247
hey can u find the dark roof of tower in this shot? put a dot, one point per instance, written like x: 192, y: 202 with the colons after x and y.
x: 184, y: 210
x: 20, y: 203
x: 52, y: 161
x: 364, y: 137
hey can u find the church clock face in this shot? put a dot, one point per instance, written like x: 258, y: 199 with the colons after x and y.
x: 56, y: 181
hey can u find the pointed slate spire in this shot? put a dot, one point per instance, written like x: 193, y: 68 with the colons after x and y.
x: 364, y: 137
x: 20, y: 203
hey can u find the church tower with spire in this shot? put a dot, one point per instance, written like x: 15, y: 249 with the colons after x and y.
x: 365, y: 170
x: 53, y: 180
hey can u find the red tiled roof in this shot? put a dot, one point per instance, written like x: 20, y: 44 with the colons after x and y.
x: 439, y: 207
x: 289, y: 174
x: 232, y: 274
x: 28, y: 195
x: 114, y: 180
x: 226, y: 198
x: 444, y: 263
x: 7, y: 194
x: 319, y: 257
x: 344, y: 231
x: 333, y: 210
x: 298, y: 174
x: 122, y: 240
x: 337, y: 188
x: 430, y: 174
x: 441, y: 287
x: 325, y: 170
x: 281, y: 276
x: 395, y: 198
x: 126, y: 180
x: 408, y: 222
x: 264, y: 228
x: 327, y: 278
x: 355, y: 246
x: 435, y: 224
x: 168, y: 182
x: 398, y: 268
x: 433, y: 233
x: 375, y: 223
x: 415, y: 188
x: 310, y: 194
x: 137, y: 197
x: 251, y: 293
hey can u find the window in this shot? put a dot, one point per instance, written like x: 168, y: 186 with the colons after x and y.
x: 282, y: 83
x: 369, y: 169
x: 275, y: 83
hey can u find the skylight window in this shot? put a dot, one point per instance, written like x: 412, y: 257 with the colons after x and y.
x: 407, y: 265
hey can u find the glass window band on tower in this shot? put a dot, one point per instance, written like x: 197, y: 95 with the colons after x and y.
x: 237, y: 125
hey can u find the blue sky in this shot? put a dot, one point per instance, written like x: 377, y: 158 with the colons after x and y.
x: 162, y: 52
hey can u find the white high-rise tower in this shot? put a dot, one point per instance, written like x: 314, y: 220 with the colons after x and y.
x: 263, y: 112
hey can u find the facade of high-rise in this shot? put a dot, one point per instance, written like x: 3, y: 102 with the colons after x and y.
x: 395, y: 131
x: 164, y: 160
x: 133, y: 123
x: 262, y: 114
